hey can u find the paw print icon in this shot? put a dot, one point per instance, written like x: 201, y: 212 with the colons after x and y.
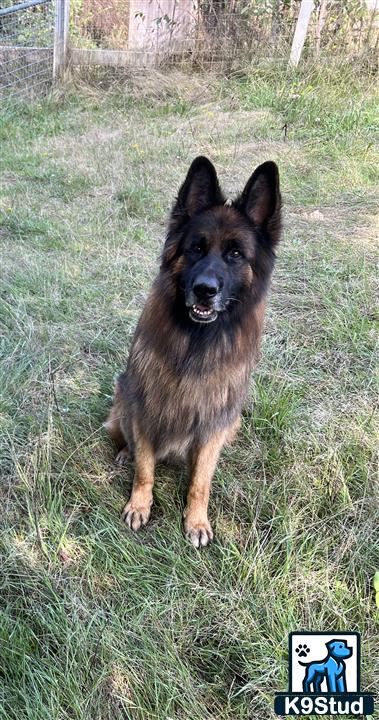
x: 302, y: 650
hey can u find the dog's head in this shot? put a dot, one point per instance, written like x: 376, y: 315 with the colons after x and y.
x: 220, y: 254
x: 339, y: 649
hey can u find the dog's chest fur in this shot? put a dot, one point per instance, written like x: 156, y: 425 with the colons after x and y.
x: 182, y: 388
x: 184, y: 408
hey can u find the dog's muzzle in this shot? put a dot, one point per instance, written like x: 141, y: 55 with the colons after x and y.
x: 204, y: 299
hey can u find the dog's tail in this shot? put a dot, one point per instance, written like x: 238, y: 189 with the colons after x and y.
x: 113, y: 424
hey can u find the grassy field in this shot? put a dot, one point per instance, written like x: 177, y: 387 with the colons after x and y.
x: 98, y: 623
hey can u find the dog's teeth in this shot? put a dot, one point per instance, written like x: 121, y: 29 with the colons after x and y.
x: 201, y: 312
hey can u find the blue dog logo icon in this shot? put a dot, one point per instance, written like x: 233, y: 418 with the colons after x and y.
x: 332, y: 669
x: 330, y: 686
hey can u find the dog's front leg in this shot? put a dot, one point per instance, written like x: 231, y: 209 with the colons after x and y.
x: 331, y: 682
x: 137, y: 511
x: 341, y: 685
x: 203, y: 465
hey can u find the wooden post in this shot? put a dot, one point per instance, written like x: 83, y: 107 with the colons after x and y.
x: 373, y: 6
x: 62, y: 14
x: 306, y: 8
x: 320, y: 25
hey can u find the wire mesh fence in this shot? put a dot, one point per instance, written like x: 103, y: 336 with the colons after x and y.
x: 197, y: 32
x: 209, y: 32
x: 26, y: 46
x: 35, y: 35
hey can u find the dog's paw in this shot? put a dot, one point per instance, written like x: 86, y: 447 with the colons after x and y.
x: 199, y: 532
x: 122, y: 457
x: 135, y: 515
x: 302, y: 650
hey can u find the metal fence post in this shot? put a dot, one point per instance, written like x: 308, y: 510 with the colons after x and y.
x: 62, y: 14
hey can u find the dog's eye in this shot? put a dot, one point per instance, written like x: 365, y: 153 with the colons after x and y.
x: 198, y: 247
x: 234, y: 254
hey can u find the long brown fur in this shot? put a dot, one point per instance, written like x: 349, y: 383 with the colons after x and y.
x: 182, y: 393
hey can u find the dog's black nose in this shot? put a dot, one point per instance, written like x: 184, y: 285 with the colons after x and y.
x: 206, y: 287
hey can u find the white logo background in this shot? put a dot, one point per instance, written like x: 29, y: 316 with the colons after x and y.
x: 317, y: 652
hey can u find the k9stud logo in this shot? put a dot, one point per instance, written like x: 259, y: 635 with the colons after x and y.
x: 324, y: 676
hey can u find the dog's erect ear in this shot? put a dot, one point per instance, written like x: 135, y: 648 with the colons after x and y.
x: 199, y: 191
x: 261, y: 201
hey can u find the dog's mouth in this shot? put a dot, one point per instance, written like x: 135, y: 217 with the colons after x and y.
x: 202, y: 314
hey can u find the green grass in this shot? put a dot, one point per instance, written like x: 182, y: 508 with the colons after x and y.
x: 96, y: 622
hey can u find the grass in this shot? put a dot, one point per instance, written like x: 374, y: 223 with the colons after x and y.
x: 94, y: 621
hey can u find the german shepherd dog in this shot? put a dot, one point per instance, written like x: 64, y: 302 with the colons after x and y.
x: 197, y: 339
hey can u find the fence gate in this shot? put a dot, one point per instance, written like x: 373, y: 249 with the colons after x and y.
x: 26, y: 46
